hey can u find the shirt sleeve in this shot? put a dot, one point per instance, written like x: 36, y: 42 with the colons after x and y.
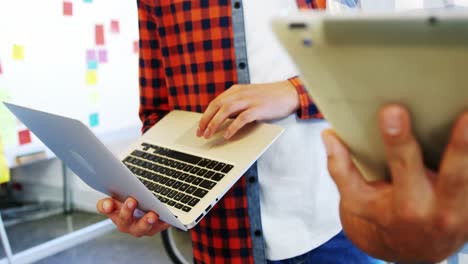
x: 307, y: 108
x: 152, y: 80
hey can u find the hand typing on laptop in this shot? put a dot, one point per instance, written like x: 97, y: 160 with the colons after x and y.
x: 252, y: 102
x: 421, y: 215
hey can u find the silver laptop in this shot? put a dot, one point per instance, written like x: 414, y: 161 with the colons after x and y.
x: 169, y: 170
x: 355, y: 63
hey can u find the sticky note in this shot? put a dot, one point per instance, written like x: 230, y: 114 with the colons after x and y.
x: 136, y: 46
x: 18, y: 52
x: 4, y: 170
x: 99, y: 35
x: 24, y: 137
x: 92, y: 65
x: 103, y: 56
x: 1, y: 70
x: 67, y: 8
x: 94, y: 120
x: 91, y: 77
x: 115, y: 27
x: 87, y: 1
x: 90, y: 55
x: 94, y: 97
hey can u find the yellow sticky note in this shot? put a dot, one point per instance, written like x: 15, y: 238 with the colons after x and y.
x: 18, y: 52
x: 91, y: 77
x: 4, y: 170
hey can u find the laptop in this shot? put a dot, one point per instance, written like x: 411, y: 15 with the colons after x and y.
x: 169, y: 170
x: 353, y: 64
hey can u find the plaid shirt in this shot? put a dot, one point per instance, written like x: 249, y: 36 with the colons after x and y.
x: 187, y: 58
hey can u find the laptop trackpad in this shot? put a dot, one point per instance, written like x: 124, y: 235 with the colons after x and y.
x: 190, y: 139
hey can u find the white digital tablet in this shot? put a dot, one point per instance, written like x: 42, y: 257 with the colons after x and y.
x: 353, y: 64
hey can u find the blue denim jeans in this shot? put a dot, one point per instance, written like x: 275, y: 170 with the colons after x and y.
x: 338, y: 250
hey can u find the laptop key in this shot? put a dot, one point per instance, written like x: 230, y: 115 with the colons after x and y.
x: 177, y: 184
x: 172, y: 194
x: 176, y: 174
x: 163, y: 180
x: 183, y: 157
x: 194, y: 170
x: 183, y: 176
x: 171, y: 203
x: 178, y: 206
x: 219, y: 166
x: 188, y: 168
x: 164, y: 170
x: 217, y: 177
x: 190, y: 189
x: 186, y: 209
x: 175, y: 164
x: 200, y: 193
x: 202, y: 172
x: 197, y: 181
x: 170, y: 182
x: 186, y: 199
x: 168, y: 162
x: 208, y: 184
x: 209, y: 174
x: 190, y: 178
x: 184, y: 187
x: 164, y: 200
x: 181, y: 166
x: 159, y: 189
x: 166, y: 191
x: 194, y: 202
x: 170, y: 172
x: 204, y: 162
x: 157, y: 178
x: 212, y: 164
x: 179, y: 196
x: 227, y: 168
x: 138, y: 153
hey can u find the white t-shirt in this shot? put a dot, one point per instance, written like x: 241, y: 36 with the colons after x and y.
x: 298, y: 199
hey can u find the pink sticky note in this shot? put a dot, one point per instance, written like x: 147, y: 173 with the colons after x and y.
x: 90, y: 55
x: 67, y: 8
x: 115, y: 27
x: 24, y: 137
x: 1, y: 70
x: 103, y: 56
x: 99, y: 35
x: 136, y: 46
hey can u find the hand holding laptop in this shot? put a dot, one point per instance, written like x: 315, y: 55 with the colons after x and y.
x: 122, y: 214
x: 421, y: 215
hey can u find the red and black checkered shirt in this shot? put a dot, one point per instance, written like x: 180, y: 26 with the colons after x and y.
x: 187, y: 58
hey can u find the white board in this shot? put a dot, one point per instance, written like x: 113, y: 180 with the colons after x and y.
x: 52, y: 75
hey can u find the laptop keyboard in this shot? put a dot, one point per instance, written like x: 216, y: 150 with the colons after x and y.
x: 177, y: 179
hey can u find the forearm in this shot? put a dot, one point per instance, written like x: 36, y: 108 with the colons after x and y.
x: 366, y: 236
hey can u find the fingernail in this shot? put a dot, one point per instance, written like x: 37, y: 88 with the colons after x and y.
x: 207, y: 133
x: 151, y: 220
x: 130, y: 205
x: 198, y: 132
x: 227, y: 134
x: 107, y: 206
x: 329, y: 143
x: 392, y: 121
